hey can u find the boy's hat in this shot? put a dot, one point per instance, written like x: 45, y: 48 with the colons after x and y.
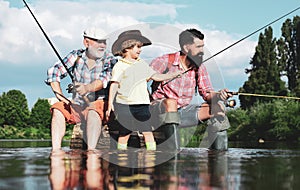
x: 94, y: 33
x: 129, y: 35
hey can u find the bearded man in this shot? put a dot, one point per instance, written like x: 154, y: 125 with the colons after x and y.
x: 172, y: 99
x: 91, y: 68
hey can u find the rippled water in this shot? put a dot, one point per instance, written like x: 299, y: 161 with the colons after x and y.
x: 32, y: 166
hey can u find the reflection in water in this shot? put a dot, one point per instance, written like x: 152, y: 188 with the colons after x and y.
x: 78, y: 170
x: 217, y: 169
x: 88, y: 170
x: 193, y: 168
x: 206, y: 170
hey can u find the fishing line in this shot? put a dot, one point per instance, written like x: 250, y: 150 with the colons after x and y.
x: 237, y: 42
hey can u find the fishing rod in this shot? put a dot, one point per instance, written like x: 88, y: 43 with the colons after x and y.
x: 49, y: 41
x: 242, y: 39
x: 57, y: 93
x: 263, y: 95
x: 70, y: 86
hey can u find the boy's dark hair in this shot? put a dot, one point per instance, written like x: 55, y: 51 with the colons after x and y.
x: 187, y: 36
x: 128, y: 44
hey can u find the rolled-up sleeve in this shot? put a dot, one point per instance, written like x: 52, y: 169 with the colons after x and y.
x: 204, y: 82
x: 58, y: 71
x: 55, y: 73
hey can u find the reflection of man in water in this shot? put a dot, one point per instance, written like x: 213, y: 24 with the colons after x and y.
x: 215, y: 173
x: 207, y: 171
x: 69, y: 171
x: 64, y: 173
x: 94, y: 173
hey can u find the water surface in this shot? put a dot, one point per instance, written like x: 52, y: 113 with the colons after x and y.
x: 30, y: 165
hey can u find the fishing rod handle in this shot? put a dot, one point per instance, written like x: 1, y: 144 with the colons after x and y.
x: 86, y: 99
x: 233, y: 93
x: 72, y: 89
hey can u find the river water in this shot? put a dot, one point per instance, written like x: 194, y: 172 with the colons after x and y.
x: 31, y: 165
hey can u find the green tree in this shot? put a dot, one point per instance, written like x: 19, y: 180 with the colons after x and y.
x: 289, y: 53
x: 2, y: 113
x: 14, y: 109
x: 40, y: 114
x: 264, y: 74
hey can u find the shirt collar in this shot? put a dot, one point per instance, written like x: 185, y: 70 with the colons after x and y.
x: 177, y: 58
x: 130, y: 62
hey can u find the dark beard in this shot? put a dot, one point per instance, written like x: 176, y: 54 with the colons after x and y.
x: 195, y: 60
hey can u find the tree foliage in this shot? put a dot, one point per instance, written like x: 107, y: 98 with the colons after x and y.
x: 14, y: 109
x: 277, y: 120
x: 289, y: 53
x: 264, y: 74
x: 40, y: 114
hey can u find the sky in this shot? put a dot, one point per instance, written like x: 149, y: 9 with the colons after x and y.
x: 25, y: 54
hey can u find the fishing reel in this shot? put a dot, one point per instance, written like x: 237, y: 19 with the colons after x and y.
x: 71, y: 88
x: 230, y: 103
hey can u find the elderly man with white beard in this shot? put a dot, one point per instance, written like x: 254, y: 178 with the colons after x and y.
x: 91, y: 69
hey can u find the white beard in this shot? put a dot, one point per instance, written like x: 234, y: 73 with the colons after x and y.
x: 95, y: 53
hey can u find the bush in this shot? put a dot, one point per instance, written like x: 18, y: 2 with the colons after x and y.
x: 276, y: 120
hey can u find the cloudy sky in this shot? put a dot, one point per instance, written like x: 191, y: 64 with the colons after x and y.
x: 25, y: 55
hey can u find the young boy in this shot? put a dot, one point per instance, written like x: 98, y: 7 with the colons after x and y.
x: 129, y: 87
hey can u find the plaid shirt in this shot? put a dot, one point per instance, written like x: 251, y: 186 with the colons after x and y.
x: 81, y: 72
x: 182, y: 89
